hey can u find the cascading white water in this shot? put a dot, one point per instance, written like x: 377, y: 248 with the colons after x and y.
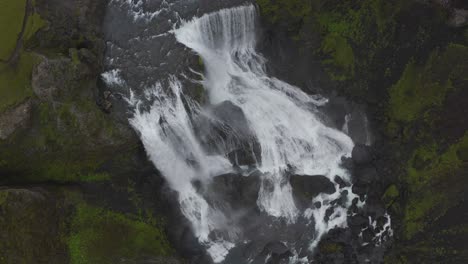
x: 282, y: 117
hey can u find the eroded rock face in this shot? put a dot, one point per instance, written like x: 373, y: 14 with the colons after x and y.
x: 459, y: 18
x: 56, y: 79
x: 14, y: 119
x: 30, y: 224
x: 69, y: 141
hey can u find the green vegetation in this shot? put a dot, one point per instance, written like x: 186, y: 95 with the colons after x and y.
x: 11, y: 23
x: 330, y: 248
x: 103, y: 236
x: 15, y: 81
x: 407, y: 64
x: 352, y: 33
x: 341, y: 53
x: 29, y: 227
x: 422, y: 88
x: 427, y: 170
x: 390, y: 195
x: 291, y: 12
x: 34, y: 23
x: 15, y: 75
x: 413, y: 107
x: 70, y: 138
x: 63, y: 140
x: 74, y: 56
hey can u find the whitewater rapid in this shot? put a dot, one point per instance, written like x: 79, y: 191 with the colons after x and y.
x: 283, y: 119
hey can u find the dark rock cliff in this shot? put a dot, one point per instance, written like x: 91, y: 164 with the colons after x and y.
x: 405, y: 62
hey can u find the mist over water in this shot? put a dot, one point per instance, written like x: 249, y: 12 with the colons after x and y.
x: 282, y: 124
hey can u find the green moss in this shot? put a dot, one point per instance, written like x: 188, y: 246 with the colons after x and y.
x: 422, y: 88
x: 63, y: 171
x: 34, y: 23
x: 426, y: 170
x: 345, y: 26
x: 74, y: 56
x: 25, y: 237
x: 15, y: 81
x: 342, y: 56
x: 60, y: 146
x: 3, y: 197
x: 200, y: 62
x: 11, y: 22
x: 103, y: 236
x: 414, y: 94
x: 390, y: 195
x: 330, y: 248
x: 15, y: 77
x: 417, y: 213
x: 290, y: 12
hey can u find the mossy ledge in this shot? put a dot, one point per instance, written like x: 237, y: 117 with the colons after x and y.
x: 99, y: 235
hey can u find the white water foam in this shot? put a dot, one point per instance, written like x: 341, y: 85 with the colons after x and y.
x: 112, y: 77
x: 281, y: 116
x: 135, y: 9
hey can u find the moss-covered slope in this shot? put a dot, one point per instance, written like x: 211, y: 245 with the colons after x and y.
x: 72, y: 177
x: 408, y: 62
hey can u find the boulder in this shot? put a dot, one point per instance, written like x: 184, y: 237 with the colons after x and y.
x: 224, y: 129
x: 275, y: 248
x: 341, y: 182
x: 14, y: 119
x: 311, y: 186
x: 239, y: 191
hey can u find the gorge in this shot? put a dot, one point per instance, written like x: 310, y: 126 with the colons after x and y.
x: 232, y: 131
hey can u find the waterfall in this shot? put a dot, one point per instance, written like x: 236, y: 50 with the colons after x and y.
x: 282, y: 118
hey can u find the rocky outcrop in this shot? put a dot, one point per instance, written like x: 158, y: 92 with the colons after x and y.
x: 31, y: 224
x: 225, y: 129
x: 237, y: 190
x: 402, y: 60
x: 80, y: 173
x: 14, y: 119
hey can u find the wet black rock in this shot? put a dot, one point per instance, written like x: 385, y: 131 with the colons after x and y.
x: 276, y: 247
x: 312, y: 185
x: 361, y: 154
x: 341, y: 182
x: 306, y: 187
x: 347, y: 163
x: 365, y: 175
x: 225, y: 130
x: 359, y: 189
x: 277, y: 251
x: 358, y: 221
x: 237, y: 190
x: 343, y: 198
